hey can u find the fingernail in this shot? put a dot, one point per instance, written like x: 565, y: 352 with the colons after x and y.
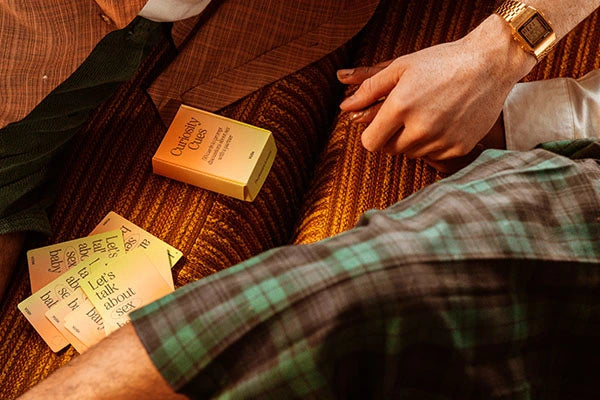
x: 344, y: 73
x: 357, y: 115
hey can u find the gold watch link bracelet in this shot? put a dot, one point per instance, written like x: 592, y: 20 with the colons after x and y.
x: 529, y: 28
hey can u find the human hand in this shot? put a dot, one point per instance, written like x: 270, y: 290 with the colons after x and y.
x: 494, y: 139
x: 438, y: 103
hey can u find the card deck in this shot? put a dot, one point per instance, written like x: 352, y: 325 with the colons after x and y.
x: 57, y: 315
x: 134, y: 237
x: 126, y: 284
x: 85, y: 323
x: 35, y: 306
x: 48, y: 263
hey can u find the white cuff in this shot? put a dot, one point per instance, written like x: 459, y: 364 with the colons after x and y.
x: 172, y: 10
x: 554, y: 109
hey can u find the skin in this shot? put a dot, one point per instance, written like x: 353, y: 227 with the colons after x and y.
x: 409, y: 112
x: 118, y: 368
x: 103, y: 372
x: 495, y: 139
x: 439, y: 119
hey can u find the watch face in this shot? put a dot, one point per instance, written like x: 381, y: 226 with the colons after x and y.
x: 535, y: 30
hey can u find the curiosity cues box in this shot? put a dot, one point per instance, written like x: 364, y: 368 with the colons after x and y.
x: 215, y: 153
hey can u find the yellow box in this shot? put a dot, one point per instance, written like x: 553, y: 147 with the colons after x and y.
x: 215, y: 153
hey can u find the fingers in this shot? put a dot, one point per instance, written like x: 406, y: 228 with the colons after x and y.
x: 368, y: 114
x: 356, y: 76
x: 416, y: 143
x: 452, y: 165
x: 433, y: 146
x: 412, y: 146
x: 388, y: 132
x: 435, y: 106
x: 450, y: 152
x: 387, y: 122
x: 372, y: 89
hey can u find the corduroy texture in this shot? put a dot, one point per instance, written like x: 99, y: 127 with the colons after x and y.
x: 231, y: 49
x: 349, y: 180
x: 109, y: 167
x: 247, y: 44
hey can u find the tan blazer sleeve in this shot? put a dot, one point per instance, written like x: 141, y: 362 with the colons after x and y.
x: 44, y: 41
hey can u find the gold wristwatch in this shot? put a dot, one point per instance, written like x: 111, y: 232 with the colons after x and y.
x: 529, y: 27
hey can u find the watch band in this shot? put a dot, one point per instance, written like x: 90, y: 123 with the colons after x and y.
x: 544, y: 53
x: 510, y: 9
x: 513, y: 12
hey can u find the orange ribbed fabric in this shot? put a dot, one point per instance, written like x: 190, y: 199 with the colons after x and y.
x: 348, y: 179
x: 108, y: 167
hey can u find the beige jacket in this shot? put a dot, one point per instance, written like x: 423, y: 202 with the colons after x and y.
x: 228, y: 51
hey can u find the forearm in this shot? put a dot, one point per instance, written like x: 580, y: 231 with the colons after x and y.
x: 564, y: 15
x: 116, y: 368
x: 441, y: 101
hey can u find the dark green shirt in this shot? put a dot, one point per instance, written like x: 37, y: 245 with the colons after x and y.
x: 31, y: 150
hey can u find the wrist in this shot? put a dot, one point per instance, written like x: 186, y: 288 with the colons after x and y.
x: 506, y: 60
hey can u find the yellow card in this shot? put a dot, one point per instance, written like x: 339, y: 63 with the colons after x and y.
x: 48, y: 263
x: 162, y: 254
x: 125, y: 284
x: 57, y: 315
x: 85, y: 323
x: 35, y: 306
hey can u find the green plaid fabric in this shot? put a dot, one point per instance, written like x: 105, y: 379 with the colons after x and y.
x: 484, y: 285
